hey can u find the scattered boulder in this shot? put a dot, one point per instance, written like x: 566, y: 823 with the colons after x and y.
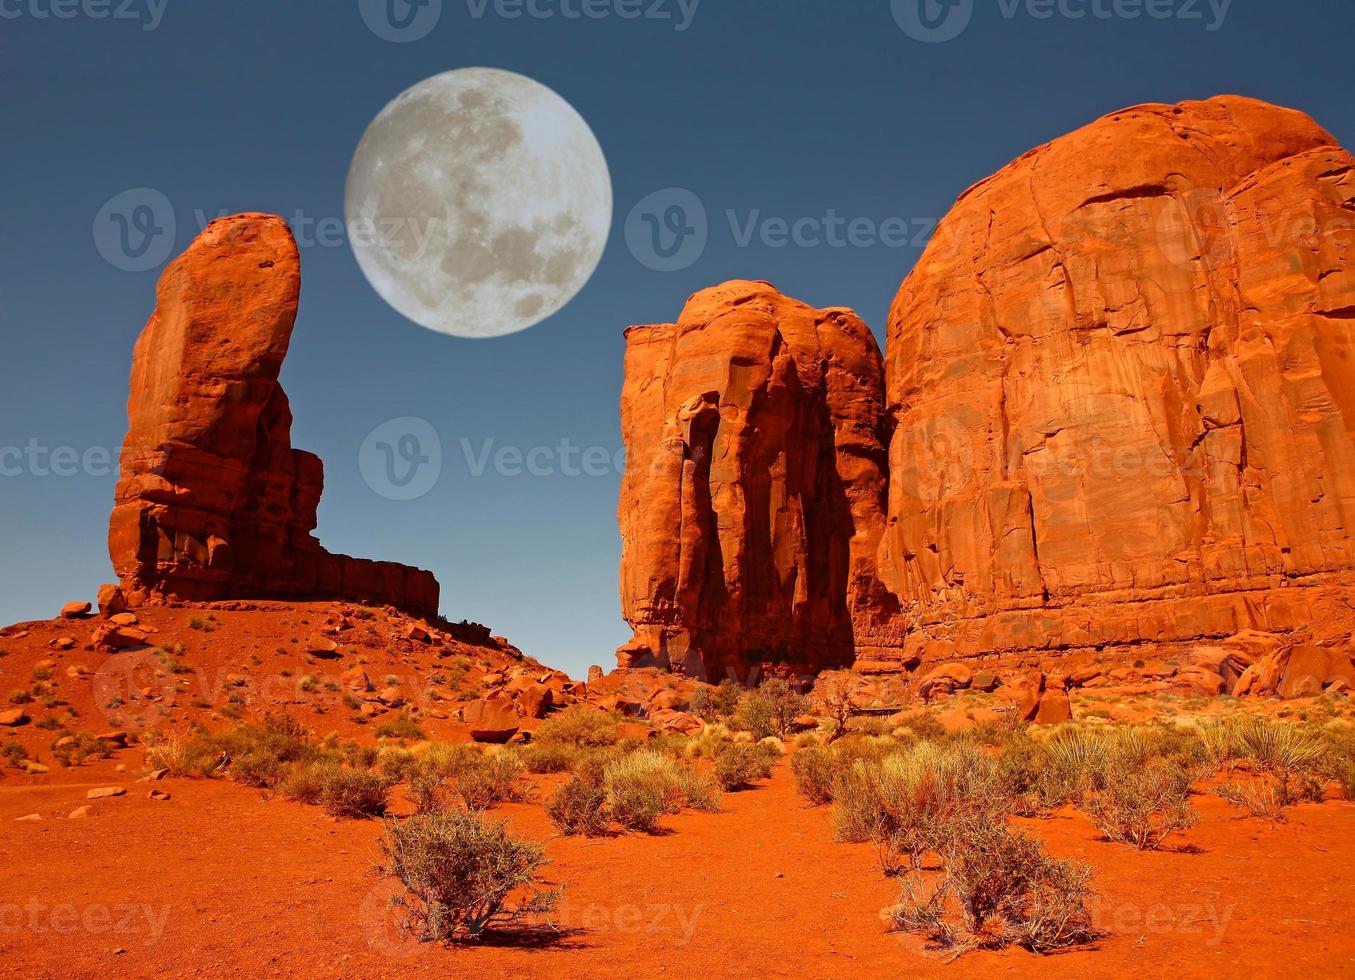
x: 356, y: 679
x: 322, y: 646
x: 945, y: 680
x: 1054, y: 707
x: 105, y: 792
x: 111, y: 635
x: 492, y: 719
x: 1309, y: 670
x: 79, y: 813
x: 13, y: 717
x: 112, y: 600
x: 986, y: 681
x: 1199, y: 681
x: 535, y: 700
x: 75, y: 610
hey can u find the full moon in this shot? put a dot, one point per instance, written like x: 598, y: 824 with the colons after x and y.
x: 478, y: 202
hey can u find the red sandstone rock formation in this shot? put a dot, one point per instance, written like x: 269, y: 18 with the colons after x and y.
x: 1123, y: 377
x: 752, y: 503
x: 213, y: 502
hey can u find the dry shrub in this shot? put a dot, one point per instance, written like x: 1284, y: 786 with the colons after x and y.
x: 477, y: 779
x: 832, y: 698
x: 350, y: 793
x: 1263, y: 798
x: 738, y: 766
x: 707, y: 743
x: 814, y: 769
x: 641, y: 787
x: 552, y: 758
x: 1142, y: 803
x: 579, y: 807
x: 1074, y: 759
x: 770, y: 709
x: 459, y: 873
x: 83, y: 747
x: 998, y: 888
x: 903, y: 802
x: 580, y: 727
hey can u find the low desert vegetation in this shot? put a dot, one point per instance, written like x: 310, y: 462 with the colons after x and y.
x: 996, y: 888
x: 467, y: 775
x: 631, y: 788
x: 738, y: 764
x: 579, y: 728
x: 280, y: 756
x: 770, y: 710
x: 463, y: 875
x: 937, y: 808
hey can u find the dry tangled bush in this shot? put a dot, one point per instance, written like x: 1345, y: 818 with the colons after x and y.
x: 1291, y: 763
x: 351, y: 793
x: 579, y: 727
x: 579, y: 807
x: 462, y: 875
x: 903, y: 801
x: 1142, y: 803
x: 814, y: 769
x: 641, y: 787
x: 832, y: 698
x: 998, y: 888
x: 633, y: 788
x: 465, y: 773
x: 739, y: 765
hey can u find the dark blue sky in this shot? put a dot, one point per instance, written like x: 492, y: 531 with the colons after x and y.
x: 789, y: 109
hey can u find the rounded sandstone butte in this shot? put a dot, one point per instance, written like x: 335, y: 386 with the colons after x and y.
x: 753, y: 497
x: 1124, y: 370
x: 213, y: 502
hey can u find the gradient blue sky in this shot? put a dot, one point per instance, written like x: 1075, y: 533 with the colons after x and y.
x: 788, y: 108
